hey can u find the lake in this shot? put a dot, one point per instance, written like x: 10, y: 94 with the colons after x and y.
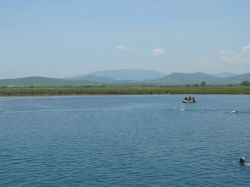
x: 124, y: 141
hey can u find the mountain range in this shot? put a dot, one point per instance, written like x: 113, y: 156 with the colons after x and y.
x: 129, y: 77
x: 122, y: 75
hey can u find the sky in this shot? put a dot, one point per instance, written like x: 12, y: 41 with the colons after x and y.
x: 60, y: 38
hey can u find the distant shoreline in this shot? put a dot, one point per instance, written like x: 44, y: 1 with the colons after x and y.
x: 122, y: 90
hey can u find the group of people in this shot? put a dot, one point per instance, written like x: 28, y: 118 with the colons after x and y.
x: 190, y: 99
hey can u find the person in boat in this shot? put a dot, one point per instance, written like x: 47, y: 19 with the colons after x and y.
x: 244, y: 162
x: 190, y: 99
x: 193, y: 99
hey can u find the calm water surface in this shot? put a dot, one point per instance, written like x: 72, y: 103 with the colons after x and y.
x: 124, y: 141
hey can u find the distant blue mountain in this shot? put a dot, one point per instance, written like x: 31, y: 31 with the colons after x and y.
x: 187, y: 78
x: 171, y: 79
x: 129, y: 74
x: 237, y: 78
x: 198, y: 77
x: 91, y: 77
x: 225, y: 75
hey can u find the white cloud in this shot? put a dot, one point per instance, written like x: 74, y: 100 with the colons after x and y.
x: 246, y: 48
x: 158, y: 51
x: 236, y: 57
x: 123, y: 48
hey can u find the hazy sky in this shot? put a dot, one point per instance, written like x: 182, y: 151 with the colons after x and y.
x: 58, y: 38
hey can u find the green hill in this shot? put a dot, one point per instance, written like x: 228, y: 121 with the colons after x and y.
x: 42, y: 82
x: 187, y: 78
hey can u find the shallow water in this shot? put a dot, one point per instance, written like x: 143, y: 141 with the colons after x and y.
x: 124, y: 141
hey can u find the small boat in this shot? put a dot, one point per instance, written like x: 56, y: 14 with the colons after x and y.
x: 187, y: 101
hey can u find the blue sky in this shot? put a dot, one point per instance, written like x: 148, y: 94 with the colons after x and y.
x: 59, y: 38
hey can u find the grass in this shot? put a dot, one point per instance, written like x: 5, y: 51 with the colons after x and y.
x: 117, y: 90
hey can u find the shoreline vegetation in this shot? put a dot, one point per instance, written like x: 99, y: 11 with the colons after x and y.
x: 122, y: 90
